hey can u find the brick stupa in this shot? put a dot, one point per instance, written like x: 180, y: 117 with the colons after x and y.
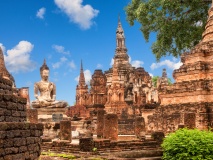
x: 189, y: 101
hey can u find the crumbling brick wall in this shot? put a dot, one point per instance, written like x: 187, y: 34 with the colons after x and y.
x: 168, y: 118
x: 19, y: 140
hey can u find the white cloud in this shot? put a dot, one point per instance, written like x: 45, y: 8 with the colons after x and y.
x: 112, y: 62
x: 137, y: 63
x: 40, y: 13
x: 63, y: 59
x: 151, y: 74
x: 99, y: 65
x: 2, y: 47
x: 29, y: 83
x: 170, y: 64
x: 58, y: 64
x: 87, y: 75
x: 72, y: 65
x: 78, y: 13
x: 130, y: 59
x: 60, y: 49
x: 18, y: 58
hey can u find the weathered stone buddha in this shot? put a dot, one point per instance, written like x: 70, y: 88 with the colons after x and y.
x: 47, y: 90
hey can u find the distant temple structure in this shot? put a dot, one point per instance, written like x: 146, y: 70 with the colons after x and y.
x: 117, y: 89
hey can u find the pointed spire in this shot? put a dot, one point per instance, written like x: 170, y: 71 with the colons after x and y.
x: 119, y: 20
x: 3, y: 70
x: 82, y: 78
x: 119, y: 28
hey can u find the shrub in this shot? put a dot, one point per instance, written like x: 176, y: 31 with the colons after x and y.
x: 188, y: 145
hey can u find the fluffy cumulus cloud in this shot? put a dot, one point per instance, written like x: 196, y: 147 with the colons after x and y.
x: 137, y: 63
x: 40, y: 13
x: 58, y: 64
x: 60, y: 49
x: 18, y: 58
x: 77, y: 12
x: 170, y: 64
x: 87, y: 75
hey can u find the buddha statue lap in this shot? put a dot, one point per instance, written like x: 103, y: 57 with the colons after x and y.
x: 47, y: 90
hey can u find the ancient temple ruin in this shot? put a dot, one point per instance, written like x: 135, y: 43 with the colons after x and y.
x: 120, y: 87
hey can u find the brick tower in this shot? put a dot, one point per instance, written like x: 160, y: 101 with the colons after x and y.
x: 81, y: 89
x: 189, y: 101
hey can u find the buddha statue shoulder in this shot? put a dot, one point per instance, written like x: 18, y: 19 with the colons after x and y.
x: 45, y: 91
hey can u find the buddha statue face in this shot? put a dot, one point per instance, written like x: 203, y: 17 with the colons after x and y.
x: 45, y: 74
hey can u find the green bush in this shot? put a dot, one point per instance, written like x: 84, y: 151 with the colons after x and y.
x: 187, y: 144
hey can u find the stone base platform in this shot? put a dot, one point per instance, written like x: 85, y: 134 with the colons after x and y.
x: 50, y: 118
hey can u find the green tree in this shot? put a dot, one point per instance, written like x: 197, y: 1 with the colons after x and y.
x: 155, y: 79
x: 188, y: 145
x: 178, y: 24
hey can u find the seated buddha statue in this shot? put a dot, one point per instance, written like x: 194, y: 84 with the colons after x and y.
x: 45, y: 91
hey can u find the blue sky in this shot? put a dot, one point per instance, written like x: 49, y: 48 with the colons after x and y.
x: 65, y: 31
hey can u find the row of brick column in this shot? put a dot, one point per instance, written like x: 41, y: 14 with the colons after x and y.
x: 107, y: 125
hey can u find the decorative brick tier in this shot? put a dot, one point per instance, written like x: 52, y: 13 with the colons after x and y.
x: 20, y: 141
x: 168, y: 118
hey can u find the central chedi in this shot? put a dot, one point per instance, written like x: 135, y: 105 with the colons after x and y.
x: 47, y: 90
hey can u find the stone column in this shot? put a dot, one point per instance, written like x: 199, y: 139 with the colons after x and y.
x: 32, y: 115
x: 65, y: 130
x: 139, y: 125
x: 100, y: 123
x: 111, y: 126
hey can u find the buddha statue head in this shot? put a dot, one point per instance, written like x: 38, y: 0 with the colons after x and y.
x: 44, y: 71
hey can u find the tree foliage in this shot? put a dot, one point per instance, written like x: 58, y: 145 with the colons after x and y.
x: 155, y: 80
x: 188, y: 145
x: 179, y: 24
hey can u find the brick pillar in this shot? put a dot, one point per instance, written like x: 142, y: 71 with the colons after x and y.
x: 100, y: 123
x: 139, y: 126
x: 32, y: 115
x: 24, y: 92
x: 111, y: 126
x: 65, y: 130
